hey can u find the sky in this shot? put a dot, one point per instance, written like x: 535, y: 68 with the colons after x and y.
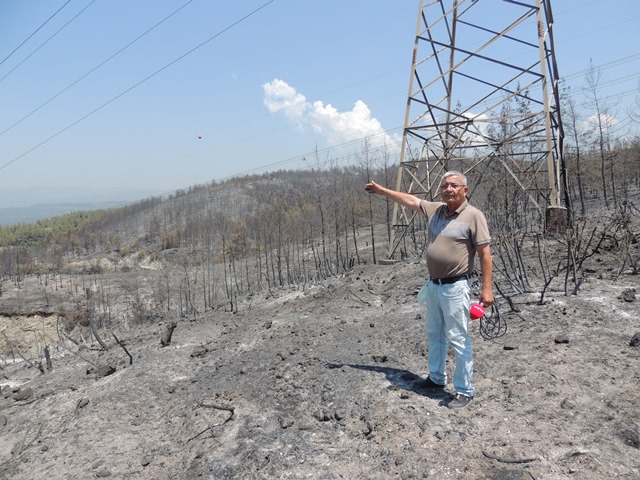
x: 159, y: 95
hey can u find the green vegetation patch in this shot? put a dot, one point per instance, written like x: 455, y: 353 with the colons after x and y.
x: 34, y: 234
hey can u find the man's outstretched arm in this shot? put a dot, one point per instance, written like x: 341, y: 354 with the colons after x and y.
x: 401, y: 198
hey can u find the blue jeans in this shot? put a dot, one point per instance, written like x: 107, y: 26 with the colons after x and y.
x: 448, y: 323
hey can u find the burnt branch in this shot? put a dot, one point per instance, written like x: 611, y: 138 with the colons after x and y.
x: 124, y: 348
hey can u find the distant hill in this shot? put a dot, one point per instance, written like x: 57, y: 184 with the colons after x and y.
x: 27, y: 205
x: 14, y: 215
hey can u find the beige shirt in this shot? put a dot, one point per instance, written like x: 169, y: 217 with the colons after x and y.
x: 453, y: 238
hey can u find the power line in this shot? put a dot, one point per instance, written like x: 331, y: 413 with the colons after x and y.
x: 93, y: 69
x: 136, y: 85
x: 264, y: 166
x: 604, y: 66
x: 36, y: 31
x: 591, y: 32
x: 46, y: 41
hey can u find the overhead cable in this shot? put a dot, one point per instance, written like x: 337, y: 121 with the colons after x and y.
x: 47, y: 40
x: 36, y: 31
x: 93, y: 69
x: 135, y: 85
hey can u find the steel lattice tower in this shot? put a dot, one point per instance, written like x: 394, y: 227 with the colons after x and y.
x: 483, y: 95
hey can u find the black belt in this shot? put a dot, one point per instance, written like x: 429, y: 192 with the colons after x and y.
x: 447, y: 281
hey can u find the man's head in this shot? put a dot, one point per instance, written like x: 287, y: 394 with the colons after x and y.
x: 453, y: 189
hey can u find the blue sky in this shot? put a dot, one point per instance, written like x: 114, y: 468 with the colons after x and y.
x: 106, y: 94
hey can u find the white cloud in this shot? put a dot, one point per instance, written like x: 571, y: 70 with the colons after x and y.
x: 479, y: 128
x: 280, y: 97
x: 335, y: 126
x: 608, y: 121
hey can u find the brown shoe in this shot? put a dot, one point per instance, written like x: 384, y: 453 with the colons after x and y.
x: 428, y: 384
x: 460, y: 401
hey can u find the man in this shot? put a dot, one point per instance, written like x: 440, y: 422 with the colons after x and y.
x: 457, y: 231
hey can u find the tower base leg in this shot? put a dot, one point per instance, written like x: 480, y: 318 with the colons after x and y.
x: 556, y: 220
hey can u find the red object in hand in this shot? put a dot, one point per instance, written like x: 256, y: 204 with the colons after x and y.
x: 476, y: 311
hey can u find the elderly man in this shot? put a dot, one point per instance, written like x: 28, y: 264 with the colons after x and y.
x: 457, y: 231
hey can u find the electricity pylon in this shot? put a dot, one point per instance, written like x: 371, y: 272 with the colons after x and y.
x: 483, y: 97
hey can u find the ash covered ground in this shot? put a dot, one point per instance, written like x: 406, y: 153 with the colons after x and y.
x: 320, y: 383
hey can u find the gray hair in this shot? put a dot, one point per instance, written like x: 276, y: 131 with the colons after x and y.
x: 452, y: 173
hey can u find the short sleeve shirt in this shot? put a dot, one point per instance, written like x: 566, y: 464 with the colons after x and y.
x: 453, y: 238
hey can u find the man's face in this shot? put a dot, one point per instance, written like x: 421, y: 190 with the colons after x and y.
x: 453, y: 192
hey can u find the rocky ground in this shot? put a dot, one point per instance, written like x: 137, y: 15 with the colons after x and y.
x: 320, y: 383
